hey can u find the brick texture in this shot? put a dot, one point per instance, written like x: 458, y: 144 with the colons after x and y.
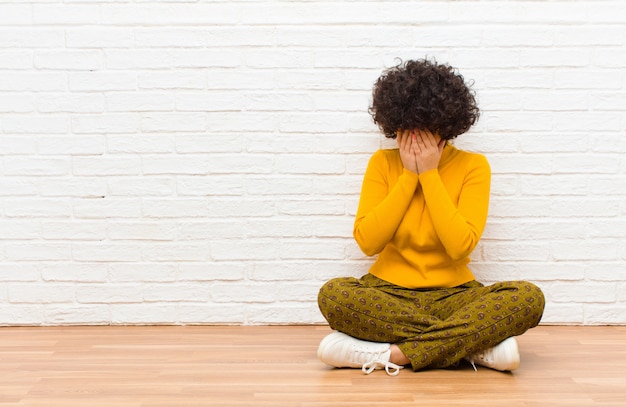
x: 199, y: 162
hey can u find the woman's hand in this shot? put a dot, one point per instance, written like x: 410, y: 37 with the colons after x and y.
x: 429, y: 150
x: 407, y: 144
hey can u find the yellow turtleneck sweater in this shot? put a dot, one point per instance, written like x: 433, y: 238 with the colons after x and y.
x: 423, y: 227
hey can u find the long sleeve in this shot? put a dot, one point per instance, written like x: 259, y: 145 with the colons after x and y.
x: 423, y: 227
x: 380, y: 209
x: 459, y: 225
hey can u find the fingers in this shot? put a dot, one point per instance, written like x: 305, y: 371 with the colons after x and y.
x: 426, y: 138
x: 406, y: 137
x: 441, y: 145
x: 403, y: 139
x: 413, y: 147
x: 418, y: 140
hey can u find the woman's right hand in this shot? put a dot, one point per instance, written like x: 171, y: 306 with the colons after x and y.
x: 407, y: 144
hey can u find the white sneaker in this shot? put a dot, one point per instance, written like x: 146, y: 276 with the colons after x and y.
x: 341, y: 350
x: 504, y: 356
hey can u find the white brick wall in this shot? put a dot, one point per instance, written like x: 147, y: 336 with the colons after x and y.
x: 198, y: 161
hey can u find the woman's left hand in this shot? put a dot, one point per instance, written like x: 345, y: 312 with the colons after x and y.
x: 429, y: 150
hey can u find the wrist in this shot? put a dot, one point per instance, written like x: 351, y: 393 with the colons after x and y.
x: 428, y: 172
x: 410, y: 177
x: 425, y: 168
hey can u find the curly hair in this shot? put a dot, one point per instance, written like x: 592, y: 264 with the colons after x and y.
x: 420, y: 94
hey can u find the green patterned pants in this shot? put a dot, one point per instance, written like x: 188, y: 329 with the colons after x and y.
x: 434, y: 328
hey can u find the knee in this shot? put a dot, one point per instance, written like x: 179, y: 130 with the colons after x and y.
x: 327, y: 287
x: 528, y: 296
x: 327, y: 292
x: 333, y: 294
x: 526, y: 291
x: 535, y: 299
x: 534, y: 295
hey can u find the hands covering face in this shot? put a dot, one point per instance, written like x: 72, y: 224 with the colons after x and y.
x: 420, y: 150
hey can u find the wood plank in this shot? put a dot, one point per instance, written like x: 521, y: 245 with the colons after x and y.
x: 159, y: 366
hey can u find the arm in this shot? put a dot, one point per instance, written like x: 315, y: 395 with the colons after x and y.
x: 380, y: 209
x: 459, y: 226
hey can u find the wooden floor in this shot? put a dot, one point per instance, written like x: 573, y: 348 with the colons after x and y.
x: 171, y: 366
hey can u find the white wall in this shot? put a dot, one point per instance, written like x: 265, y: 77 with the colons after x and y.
x: 200, y: 161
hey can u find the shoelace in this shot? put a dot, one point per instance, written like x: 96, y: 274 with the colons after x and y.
x: 478, y: 356
x: 391, y: 368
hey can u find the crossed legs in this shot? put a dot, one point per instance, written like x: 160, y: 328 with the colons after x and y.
x: 433, y: 327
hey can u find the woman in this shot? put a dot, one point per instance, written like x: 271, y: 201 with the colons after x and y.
x: 422, y: 210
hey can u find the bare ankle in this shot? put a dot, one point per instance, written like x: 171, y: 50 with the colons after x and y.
x: 397, y: 357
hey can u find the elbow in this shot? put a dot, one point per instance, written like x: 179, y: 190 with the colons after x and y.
x: 369, y: 251
x: 462, y: 251
x: 365, y: 245
x: 458, y: 255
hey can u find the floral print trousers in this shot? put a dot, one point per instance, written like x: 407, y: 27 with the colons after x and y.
x: 434, y: 328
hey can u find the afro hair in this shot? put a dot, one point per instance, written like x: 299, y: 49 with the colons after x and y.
x: 422, y: 94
